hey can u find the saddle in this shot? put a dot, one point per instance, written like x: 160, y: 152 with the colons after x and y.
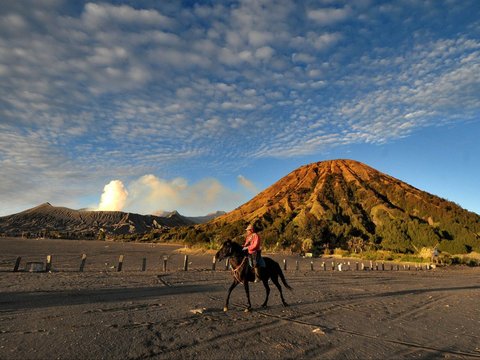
x: 259, y: 260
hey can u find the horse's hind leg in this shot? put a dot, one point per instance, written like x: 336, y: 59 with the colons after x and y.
x: 235, y: 283
x: 267, y: 291
x: 279, y: 287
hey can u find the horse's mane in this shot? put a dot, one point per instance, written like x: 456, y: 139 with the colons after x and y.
x: 236, y: 247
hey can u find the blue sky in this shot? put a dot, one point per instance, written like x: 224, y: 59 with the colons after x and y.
x: 152, y: 106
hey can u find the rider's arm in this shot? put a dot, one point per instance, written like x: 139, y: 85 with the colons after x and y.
x: 247, y: 241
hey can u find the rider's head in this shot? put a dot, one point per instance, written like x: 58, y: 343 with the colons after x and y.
x: 250, y: 228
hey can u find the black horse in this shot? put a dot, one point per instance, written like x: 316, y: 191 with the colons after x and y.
x: 243, y: 273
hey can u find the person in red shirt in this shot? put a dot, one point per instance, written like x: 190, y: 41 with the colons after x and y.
x: 254, y: 246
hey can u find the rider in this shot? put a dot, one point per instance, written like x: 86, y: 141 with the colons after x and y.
x: 254, y: 247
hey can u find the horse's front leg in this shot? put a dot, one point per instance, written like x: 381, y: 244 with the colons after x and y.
x: 247, y: 291
x: 235, y: 283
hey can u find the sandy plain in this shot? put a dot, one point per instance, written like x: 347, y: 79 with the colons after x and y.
x: 105, y: 314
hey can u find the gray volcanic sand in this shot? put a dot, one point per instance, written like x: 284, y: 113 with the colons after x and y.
x: 102, y: 313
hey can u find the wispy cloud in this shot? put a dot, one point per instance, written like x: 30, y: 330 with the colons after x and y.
x: 248, y: 184
x: 329, y: 16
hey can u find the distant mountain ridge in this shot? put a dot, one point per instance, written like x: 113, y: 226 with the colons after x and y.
x: 70, y: 223
x: 206, y: 218
x: 194, y: 219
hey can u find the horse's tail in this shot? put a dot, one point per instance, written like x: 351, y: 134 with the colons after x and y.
x: 282, y: 277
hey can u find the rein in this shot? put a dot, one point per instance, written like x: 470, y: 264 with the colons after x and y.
x: 236, y: 272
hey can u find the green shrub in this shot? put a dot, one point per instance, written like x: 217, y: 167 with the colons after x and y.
x: 455, y: 246
x: 471, y: 262
x: 411, y: 258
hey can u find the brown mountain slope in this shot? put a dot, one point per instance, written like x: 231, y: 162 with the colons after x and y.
x: 82, y: 223
x: 324, y: 187
x: 338, y: 203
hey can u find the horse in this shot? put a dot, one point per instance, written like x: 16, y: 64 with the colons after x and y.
x: 243, y: 273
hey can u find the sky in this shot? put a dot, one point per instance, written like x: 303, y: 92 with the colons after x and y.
x: 152, y: 106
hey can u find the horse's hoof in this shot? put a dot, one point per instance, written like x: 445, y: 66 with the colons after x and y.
x: 246, y: 310
x: 264, y: 306
x: 225, y: 309
x: 285, y: 304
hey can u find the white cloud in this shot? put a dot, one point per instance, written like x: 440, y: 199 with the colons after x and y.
x: 259, y: 38
x: 264, y: 53
x: 114, y: 197
x: 323, y: 41
x: 13, y: 22
x: 303, y: 58
x: 329, y: 16
x: 98, y: 15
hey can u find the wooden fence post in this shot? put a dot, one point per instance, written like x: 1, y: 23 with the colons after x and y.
x: 311, y: 265
x: 324, y: 266
x: 296, y: 265
x: 17, y: 264
x: 120, y: 263
x: 214, y: 261
x: 226, y: 264
x: 185, y: 263
x: 144, y: 264
x: 356, y: 265
x: 333, y: 265
x: 371, y: 265
x: 48, y: 265
x: 285, y: 264
x: 363, y: 266
x: 165, y: 259
x: 82, y: 264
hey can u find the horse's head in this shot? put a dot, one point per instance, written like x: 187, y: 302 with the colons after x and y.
x: 228, y: 249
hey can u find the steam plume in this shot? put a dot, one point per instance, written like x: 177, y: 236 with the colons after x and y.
x: 114, y: 196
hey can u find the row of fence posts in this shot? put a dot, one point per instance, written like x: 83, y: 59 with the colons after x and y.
x: 34, y: 265
x: 345, y: 266
x: 341, y: 266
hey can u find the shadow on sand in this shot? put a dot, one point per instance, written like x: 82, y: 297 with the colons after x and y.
x: 34, y: 300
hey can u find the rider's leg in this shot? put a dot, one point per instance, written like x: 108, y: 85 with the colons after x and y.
x: 256, y: 267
